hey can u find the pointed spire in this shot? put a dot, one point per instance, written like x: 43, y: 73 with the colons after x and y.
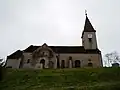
x: 88, y: 26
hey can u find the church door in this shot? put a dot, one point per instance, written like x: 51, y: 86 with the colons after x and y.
x: 43, y: 63
x: 77, y: 63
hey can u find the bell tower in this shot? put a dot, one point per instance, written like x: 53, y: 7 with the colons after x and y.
x: 89, y: 40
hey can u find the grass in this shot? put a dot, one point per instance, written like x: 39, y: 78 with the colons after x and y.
x: 62, y: 79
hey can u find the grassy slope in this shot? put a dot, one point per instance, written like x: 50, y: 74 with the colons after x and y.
x: 64, y: 79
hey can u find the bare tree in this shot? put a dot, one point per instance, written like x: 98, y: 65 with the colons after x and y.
x: 107, y: 56
x: 112, y: 57
x: 105, y: 62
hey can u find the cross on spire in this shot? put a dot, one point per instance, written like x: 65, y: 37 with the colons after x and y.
x: 86, y: 12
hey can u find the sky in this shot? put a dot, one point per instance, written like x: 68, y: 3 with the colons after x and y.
x: 57, y: 22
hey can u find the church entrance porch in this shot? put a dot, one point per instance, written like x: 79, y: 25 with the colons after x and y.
x: 77, y: 63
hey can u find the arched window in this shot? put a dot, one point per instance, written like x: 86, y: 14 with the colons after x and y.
x: 77, y: 63
x: 70, y: 58
x: 58, y: 63
x: 90, y: 64
x: 90, y: 40
x: 63, y: 64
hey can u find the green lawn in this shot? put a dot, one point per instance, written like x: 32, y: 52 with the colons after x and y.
x: 62, y: 79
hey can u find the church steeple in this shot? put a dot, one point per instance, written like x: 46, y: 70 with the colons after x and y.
x: 88, y: 26
x: 89, y: 40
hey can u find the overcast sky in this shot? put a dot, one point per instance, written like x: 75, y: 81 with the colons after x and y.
x: 57, y: 22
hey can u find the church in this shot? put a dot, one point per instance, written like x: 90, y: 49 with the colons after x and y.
x: 45, y: 56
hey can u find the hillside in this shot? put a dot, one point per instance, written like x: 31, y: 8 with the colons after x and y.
x: 62, y: 79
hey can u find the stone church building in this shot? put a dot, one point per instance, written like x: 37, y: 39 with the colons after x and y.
x: 45, y: 56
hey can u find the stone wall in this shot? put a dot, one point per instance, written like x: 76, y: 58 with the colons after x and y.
x: 95, y: 59
x: 13, y: 63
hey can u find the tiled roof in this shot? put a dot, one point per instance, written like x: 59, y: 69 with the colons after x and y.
x: 56, y: 49
x: 31, y: 48
x: 67, y: 49
x: 64, y: 49
x: 15, y: 55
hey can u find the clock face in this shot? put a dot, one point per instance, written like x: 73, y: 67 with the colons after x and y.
x: 89, y: 35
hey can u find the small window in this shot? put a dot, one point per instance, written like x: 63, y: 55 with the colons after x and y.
x: 70, y: 58
x: 42, y: 54
x: 90, y: 39
x: 28, y: 61
x: 89, y: 60
x: 90, y: 64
